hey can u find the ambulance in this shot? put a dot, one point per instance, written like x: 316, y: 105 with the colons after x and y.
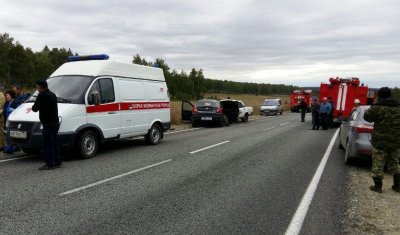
x: 343, y: 92
x: 98, y: 100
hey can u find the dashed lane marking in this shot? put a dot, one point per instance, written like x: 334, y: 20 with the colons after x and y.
x: 212, y: 146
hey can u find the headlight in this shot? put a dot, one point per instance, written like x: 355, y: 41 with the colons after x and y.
x: 7, y: 123
x: 41, y: 127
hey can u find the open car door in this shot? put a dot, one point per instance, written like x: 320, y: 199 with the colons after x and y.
x: 186, y: 112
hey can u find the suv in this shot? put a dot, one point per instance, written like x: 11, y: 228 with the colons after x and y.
x: 271, y: 106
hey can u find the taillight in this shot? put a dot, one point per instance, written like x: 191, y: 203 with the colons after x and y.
x: 219, y: 110
x: 194, y: 109
x: 364, y: 129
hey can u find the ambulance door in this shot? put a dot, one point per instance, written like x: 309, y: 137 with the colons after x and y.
x: 103, y: 107
x: 134, y: 114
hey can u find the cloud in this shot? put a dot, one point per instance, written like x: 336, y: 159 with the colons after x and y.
x: 291, y: 42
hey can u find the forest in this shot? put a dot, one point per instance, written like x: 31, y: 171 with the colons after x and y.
x: 23, y: 66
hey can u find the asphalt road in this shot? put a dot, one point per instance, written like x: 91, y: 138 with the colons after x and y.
x: 248, y: 178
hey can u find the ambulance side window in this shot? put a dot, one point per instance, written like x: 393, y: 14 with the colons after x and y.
x: 105, y: 88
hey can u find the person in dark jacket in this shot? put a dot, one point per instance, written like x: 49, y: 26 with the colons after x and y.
x: 9, y: 106
x: 385, y: 138
x: 46, y: 104
x: 20, y: 97
x: 315, y: 114
x: 303, y: 109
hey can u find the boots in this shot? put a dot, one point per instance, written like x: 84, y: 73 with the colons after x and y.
x: 378, y: 185
x: 396, y: 183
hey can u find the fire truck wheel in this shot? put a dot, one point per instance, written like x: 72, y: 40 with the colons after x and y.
x: 87, y: 144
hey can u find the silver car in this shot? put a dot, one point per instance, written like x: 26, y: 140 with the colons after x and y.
x: 355, y: 136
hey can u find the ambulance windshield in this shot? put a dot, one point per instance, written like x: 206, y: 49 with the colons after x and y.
x: 68, y: 89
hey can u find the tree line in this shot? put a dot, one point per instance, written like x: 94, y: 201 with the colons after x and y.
x: 23, y: 66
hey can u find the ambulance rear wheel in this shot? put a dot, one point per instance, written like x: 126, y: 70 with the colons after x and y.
x: 153, y: 137
x: 87, y: 144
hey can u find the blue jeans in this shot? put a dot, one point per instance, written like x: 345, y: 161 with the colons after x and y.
x: 50, y: 145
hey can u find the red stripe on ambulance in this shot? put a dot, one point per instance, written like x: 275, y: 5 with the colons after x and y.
x: 127, y: 106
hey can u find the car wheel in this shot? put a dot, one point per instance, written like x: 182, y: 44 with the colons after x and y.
x: 87, y: 144
x: 153, y: 137
x: 340, y: 143
x: 245, y: 118
x: 347, y: 159
x: 194, y: 124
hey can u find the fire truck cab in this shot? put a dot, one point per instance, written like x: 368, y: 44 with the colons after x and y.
x: 295, y: 98
x: 343, y: 92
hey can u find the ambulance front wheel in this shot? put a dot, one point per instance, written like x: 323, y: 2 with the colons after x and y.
x: 154, y: 135
x: 87, y: 144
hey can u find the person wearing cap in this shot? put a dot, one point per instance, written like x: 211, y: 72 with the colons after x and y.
x: 357, y: 104
x: 46, y: 104
x: 324, y: 111
x: 315, y: 114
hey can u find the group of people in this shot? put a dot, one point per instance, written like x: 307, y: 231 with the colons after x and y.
x: 46, y: 105
x: 9, y: 101
x: 385, y: 140
x: 322, y: 113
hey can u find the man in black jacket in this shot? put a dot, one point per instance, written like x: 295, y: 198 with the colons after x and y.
x: 46, y: 104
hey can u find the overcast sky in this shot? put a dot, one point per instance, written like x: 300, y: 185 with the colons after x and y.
x: 296, y: 42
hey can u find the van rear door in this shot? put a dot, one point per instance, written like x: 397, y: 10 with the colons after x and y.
x: 103, y: 109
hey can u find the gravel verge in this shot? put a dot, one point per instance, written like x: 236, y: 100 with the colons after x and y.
x: 369, y: 212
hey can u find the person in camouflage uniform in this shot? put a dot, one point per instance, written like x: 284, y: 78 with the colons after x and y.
x: 385, y: 138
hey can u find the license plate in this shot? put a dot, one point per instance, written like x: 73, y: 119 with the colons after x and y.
x: 206, y: 118
x: 18, y: 134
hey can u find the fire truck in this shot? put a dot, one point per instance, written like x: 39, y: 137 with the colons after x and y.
x: 343, y: 92
x: 296, y: 96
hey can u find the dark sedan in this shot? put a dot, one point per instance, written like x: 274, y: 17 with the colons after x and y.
x: 206, y: 111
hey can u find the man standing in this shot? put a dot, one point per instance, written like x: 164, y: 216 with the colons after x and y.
x: 385, y: 138
x: 315, y: 114
x: 330, y: 116
x: 20, y: 97
x: 324, y: 111
x: 303, y: 109
x: 46, y: 104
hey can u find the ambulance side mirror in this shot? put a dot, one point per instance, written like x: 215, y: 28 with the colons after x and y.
x: 94, y: 98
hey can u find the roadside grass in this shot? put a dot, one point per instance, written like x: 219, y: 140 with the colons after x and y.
x: 249, y: 100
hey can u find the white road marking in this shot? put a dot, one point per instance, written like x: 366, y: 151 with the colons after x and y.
x: 112, y: 178
x: 297, y: 221
x: 174, y: 132
x: 269, y: 128
x: 212, y: 146
x: 13, y: 159
x: 285, y: 123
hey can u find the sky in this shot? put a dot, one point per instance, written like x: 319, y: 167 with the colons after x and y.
x: 292, y: 42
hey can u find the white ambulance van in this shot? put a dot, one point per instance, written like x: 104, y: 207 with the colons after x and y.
x: 98, y: 100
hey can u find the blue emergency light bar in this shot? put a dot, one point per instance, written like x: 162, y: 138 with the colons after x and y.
x: 88, y: 57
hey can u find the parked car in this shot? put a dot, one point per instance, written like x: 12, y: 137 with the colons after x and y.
x: 205, y: 111
x: 355, y: 135
x: 271, y: 106
x: 238, y: 109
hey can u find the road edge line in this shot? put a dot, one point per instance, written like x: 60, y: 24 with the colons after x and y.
x: 298, y: 219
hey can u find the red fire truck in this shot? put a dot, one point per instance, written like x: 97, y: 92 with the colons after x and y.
x: 343, y: 92
x: 296, y: 96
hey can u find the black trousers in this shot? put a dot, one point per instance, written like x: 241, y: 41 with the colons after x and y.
x: 50, y: 145
x: 315, y: 120
x: 303, y: 114
x: 324, y: 120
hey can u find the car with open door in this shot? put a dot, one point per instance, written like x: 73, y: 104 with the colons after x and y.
x: 205, y: 112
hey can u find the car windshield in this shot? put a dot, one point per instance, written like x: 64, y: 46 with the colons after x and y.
x: 358, y: 116
x: 212, y: 103
x: 68, y: 89
x: 270, y: 103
